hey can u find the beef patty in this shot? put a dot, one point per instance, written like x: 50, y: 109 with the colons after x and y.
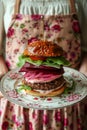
x: 46, y: 86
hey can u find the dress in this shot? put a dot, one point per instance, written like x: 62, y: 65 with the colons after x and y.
x: 14, y: 117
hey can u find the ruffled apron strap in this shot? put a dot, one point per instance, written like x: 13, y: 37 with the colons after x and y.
x: 17, y: 6
x: 72, y: 6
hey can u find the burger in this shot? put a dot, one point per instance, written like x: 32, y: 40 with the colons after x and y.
x: 42, y: 67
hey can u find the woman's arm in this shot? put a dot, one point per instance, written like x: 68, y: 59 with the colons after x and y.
x: 82, y: 9
x: 83, y: 66
x: 3, y: 67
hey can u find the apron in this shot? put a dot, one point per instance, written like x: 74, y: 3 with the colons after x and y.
x: 63, y: 30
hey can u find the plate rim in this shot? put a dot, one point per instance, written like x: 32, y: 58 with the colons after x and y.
x: 18, y: 103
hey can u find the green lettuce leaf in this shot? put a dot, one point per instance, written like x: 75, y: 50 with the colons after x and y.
x: 71, y: 88
x: 23, y: 87
x: 23, y: 59
x: 50, y: 61
x: 56, y: 61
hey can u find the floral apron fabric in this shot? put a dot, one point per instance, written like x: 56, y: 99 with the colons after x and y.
x: 14, y: 117
x: 62, y: 30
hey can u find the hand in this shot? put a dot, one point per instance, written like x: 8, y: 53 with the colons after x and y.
x: 83, y: 67
x: 3, y: 67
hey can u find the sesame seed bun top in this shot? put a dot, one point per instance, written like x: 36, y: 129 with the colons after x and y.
x: 43, y: 48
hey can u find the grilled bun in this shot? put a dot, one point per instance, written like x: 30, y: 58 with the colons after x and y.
x: 54, y: 93
x: 33, y: 92
x: 43, y: 48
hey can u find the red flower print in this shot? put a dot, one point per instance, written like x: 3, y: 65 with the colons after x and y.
x: 30, y: 126
x: 32, y: 39
x: 16, y: 51
x: 45, y: 119
x: 14, y: 75
x: 0, y: 112
x: 8, y: 64
x: 56, y: 27
x: 24, y: 30
x: 35, y: 98
x: 12, y: 94
x: 65, y: 122
x: 49, y: 99
x: 5, y: 125
x: 10, y: 32
x: 49, y: 35
x: 57, y: 116
x: 17, y: 123
x: 14, y: 118
x: 72, y: 97
x: 33, y: 115
x: 18, y: 17
x: 46, y: 27
x: 36, y: 17
x: 76, y: 26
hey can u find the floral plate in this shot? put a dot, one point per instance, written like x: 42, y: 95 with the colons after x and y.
x: 79, y: 92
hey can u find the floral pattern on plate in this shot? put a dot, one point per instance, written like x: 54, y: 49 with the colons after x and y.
x: 28, y: 101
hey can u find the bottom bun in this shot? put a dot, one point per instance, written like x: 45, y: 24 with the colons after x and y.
x: 56, y: 92
x: 51, y: 94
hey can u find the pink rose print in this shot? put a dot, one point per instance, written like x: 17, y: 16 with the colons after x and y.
x: 76, y: 26
x: 36, y: 17
x: 15, y: 75
x: 35, y: 98
x: 18, y: 17
x: 65, y: 122
x: 14, y: 118
x: 17, y: 123
x: 57, y: 116
x: 24, y: 30
x: 5, y: 125
x: 46, y: 27
x: 10, y: 32
x: 56, y: 27
x: 49, y: 35
x: 8, y: 64
x: 34, y: 115
x: 16, y: 51
x: 30, y: 126
x: 0, y: 112
x: 72, y: 97
x: 32, y: 40
x: 45, y: 119
x: 12, y: 94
